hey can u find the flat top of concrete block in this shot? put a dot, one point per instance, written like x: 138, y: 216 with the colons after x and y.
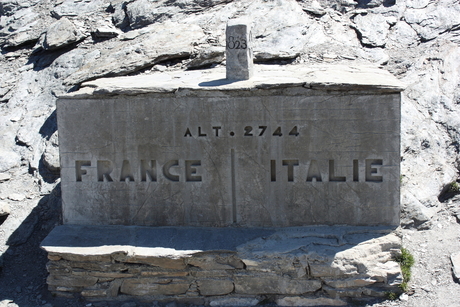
x: 332, y: 77
x: 179, y: 242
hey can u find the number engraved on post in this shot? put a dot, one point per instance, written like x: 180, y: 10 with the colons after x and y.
x: 262, y: 130
x: 294, y: 131
x: 277, y: 132
x: 236, y: 43
x: 248, y: 131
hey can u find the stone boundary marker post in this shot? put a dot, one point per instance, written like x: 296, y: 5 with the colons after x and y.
x: 239, y: 50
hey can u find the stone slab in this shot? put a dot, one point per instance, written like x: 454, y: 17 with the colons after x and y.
x: 257, y: 261
x: 182, y: 242
x: 279, y: 150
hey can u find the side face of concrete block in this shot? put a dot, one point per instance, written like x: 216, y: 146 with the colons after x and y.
x: 290, y: 158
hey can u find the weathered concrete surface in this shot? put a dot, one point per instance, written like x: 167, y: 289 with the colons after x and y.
x: 292, y: 263
x: 281, y: 149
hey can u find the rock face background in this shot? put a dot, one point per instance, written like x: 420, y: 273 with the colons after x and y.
x: 51, y: 46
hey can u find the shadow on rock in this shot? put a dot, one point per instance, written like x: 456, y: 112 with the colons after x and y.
x: 49, y: 126
x: 371, y: 3
x: 48, y: 174
x: 23, y: 274
x: 44, y: 58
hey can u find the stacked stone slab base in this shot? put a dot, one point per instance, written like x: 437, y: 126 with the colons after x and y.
x: 302, y: 266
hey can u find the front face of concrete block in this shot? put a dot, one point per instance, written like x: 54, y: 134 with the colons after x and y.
x: 289, y: 158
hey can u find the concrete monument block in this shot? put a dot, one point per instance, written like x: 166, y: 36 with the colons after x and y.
x: 290, y: 147
x: 239, y: 49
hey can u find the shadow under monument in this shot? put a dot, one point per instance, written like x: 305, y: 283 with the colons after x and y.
x: 23, y: 273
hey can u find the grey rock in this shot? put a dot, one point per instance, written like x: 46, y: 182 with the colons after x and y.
x: 21, y: 38
x: 404, y: 297
x: 417, y: 4
x: 151, y: 48
x: 141, y: 13
x: 278, y: 35
x: 420, y: 144
x: 233, y: 302
x: 373, y: 28
x: 22, y: 27
x: 4, y: 177
x: 455, y: 259
x: 375, y: 55
x: 119, y: 17
x: 105, y: 31
x: 8, y: 303
x: 313, y: 7
x: 9, y: 7
x: 71, y: 281
x: 23, y: 234
x: 26, y: 136
x: 209, y: 262
x: 77, y: 8
x: 144, y: 12
x: 257, y: 283
x: 54, y: 138
x: 8, y: 159
x: 370, y: 4
x: 433, y: 19
x: 4, y: 208
x: 210, y: 286
x: 165, y: 262
x: 17, y: 196
x: 402, y: 35
x: 195, y: 6
x: 413, y: 211
x: 207, y: 56
x: 60, y: 34
x: 51, y: 159
x: 304, y: 301
x: 4, y: 90
x: 154, y: 286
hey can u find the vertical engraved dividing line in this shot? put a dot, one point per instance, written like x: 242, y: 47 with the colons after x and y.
x: 233, y: 186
